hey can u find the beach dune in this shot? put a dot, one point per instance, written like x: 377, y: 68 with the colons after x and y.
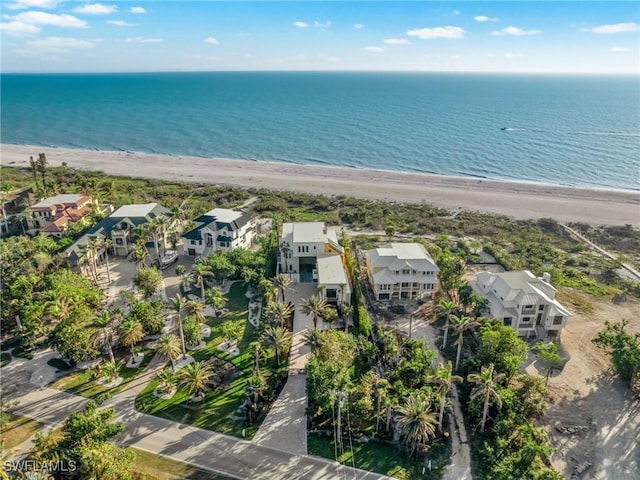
x: 516, y: 199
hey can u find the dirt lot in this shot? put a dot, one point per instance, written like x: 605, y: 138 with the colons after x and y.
x: 587, y: 396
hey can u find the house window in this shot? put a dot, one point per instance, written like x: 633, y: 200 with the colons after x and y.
x: 406, y: 271
x: 507, y: 321
x: 526, y: 319
x: 193, y: 242
x: 424, y: 274
x: 118, y: 241
x: 557, y: 320
x: 540, y: 308
x: 405, y: 284
x: 528, y: 307
x: 332, y: 293
x: 416, y: 285
x: 397, y: 272
x: 413, y: 272
x: 385, y: 286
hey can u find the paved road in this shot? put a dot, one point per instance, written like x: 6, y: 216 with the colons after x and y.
x: 208, y: 450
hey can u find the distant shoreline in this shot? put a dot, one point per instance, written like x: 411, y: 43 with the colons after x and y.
x: 513, y: 198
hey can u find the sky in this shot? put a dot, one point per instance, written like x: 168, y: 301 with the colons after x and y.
x: 142, y: 36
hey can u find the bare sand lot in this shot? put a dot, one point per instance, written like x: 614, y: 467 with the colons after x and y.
x: 588, y: 397
x: 516, y: 199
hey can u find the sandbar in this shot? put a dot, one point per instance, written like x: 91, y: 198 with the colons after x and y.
x: 522, y: 200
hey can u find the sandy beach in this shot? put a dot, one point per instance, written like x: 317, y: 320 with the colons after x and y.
x: 516, y: 199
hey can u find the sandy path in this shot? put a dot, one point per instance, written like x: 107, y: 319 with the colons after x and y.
x: 520, y: 200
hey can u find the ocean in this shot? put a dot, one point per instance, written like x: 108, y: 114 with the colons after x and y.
x: 558, y: 129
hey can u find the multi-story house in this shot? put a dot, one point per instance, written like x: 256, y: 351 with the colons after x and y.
x: 220, y: 229
x: 311, y: 253
x: 119, y: 227
x: 522, y: 301
x: 401, y: 271
x: 53, y: 215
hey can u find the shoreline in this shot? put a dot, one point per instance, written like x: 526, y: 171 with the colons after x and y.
x: 518, y: 199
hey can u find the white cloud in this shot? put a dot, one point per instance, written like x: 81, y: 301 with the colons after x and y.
x: 137, y: 10
x: 300, y: 24
x: 374, y: 49
x: 333, y: 59
x: 613, y: 28
x: 515, y: 32
x: 322, y: 25
x: 484, y: 18
x: 21, y: 4
x: 513, y: 55
x: 43, y: 18
x: 359, y: 26
x: 397, y: 41
x: 18, y: 29
x: 121, y: 23
x: 298, y: 57
x: 96, y: 9
x: 437, y: 32
x: 619, y: 49
x: 455, y: 57
x: 211, y: 41
x: 143, y: 40
x: 456, y: 12
x: 58, y: 45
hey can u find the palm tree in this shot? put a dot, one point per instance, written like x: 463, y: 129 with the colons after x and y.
x: 461, y: 325
x: 313, y: 338
x: 445, y: 381
x: 169, y: 347
x: 178, y: 303
x: 151, y: 231
x: 111, y: 370
x: 168, y: 379
x: 194, y: 378
x: 106, y: 243
x: 277, y: 337
x: 486, y: 389
x: 280, y: 312
x: 347, y: 313
x: 139, y: 255
x: 314, y: 306
x: 330, y: 315
x: 103, y: 333
x: 201, y: 271
x: 216, y: 299
x: 256, y: 347
x: 281, y: 283
x: 131, y: 332
x: 162, y: 225
x: 417, y: 423
x: 60, y: 309
x: 285, y: 249
x: 196, y: 308
x: 381, y: 390
x: 445, y: 308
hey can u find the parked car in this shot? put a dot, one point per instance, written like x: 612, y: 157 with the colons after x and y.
x: 170, y: 256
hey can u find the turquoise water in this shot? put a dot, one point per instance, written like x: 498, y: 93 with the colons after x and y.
x: 570, y: 130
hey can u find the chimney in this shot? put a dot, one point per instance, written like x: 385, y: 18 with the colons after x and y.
x: 546, y: 277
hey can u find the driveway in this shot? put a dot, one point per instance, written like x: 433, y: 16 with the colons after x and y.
x: 285, y: 427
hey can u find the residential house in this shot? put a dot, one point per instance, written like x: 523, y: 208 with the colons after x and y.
x: 523, y: 301
x: 401, y: 271
x: 119, y: 226
x: 311, y: 253
x: 220, y: 229
x: 53, y: 215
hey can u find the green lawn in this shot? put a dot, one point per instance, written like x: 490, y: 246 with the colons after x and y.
x: 16, y: 429
x: 149, y: 466
x: 380, y: 457
x: 83, y: 383
x: 216, y: 411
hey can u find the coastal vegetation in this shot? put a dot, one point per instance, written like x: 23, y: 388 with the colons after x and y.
x: 369, y: 387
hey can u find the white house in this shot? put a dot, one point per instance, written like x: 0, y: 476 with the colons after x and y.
x: 220, y: 229
x: 523, y: 301
x: 401, y: 271
x: 311, y: 253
